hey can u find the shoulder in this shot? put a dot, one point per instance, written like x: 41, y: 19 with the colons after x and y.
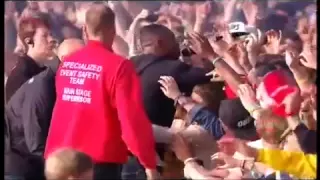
x: 20, y: 65
x: 126, y: 67
x: 46, y: 74
x: 41, y: 81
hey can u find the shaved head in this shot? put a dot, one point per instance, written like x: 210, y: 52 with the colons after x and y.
x: 68, y: 47
x: 98, y: 18
x: 159, y: 40
x: 154, y: 32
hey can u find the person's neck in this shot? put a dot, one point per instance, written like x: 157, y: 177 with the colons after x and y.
x: 36, y: 58
x: 269, y: 146
x: 105, y: 41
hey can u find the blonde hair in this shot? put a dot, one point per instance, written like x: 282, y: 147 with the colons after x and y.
x: 66, y: 162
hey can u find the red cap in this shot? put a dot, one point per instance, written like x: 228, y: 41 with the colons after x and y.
x: 278, y: 85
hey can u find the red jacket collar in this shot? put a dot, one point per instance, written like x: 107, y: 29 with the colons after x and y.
x: 93, y: 43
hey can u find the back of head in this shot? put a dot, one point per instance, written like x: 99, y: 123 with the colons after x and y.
x: 158, y: 40
x: 68, y: 47
x: 99, y: 23
x: 68, y: 163
x: 269, y: 62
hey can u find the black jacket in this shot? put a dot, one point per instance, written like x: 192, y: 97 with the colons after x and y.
x: 159, y: 108
x: 28, y: 115
x: 25, y: 69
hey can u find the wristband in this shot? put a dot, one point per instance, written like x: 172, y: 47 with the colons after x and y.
x: 189, y: 160
x: 214, y: 61
x: 177, y: 99
x: 254, y: 108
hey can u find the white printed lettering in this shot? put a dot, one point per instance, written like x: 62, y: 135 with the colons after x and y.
x: 81, y: 92
x: 68, y: 91
x: 243, y: 122
x: 69, y: 73
x: 88, y: 75
x: 77, y: 80
x: 78, y: 74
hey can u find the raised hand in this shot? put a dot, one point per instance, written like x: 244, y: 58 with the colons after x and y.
x: 169, y: 87
x: 215, y: 76
x: 247, y: 97
x: 203, y: 9
x: 292, y: 60
x: 309, y: 56
x: 201, y: 46
x: 293, y: 102
x: 250, y: 10
x: 220, y: 46
x: 143, y: 14
x: 273, y: 42
x: 253, y: 42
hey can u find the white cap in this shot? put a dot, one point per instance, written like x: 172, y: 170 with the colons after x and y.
x: 240, y: 27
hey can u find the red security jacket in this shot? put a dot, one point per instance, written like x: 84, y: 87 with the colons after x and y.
x: 99, y: 108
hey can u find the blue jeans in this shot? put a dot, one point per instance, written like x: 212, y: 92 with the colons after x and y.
x: 12, y: 177
x: 133, y: 170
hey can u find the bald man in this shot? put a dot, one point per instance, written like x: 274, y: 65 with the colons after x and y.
x: 28, y: 115
x: 68, y: 47
x: 99, y: 94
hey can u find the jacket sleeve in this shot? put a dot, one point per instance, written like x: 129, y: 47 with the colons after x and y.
x: 305, y: 136
x: 296, y: 163
x: 136, y: 127
x: 207, y: 120
x: 188, y: 76
x: 36, y: 114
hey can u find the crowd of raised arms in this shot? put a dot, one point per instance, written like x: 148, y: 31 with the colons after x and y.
x: 160, y: 90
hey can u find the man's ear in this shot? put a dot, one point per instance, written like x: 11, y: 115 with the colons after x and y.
x: 28, y: 41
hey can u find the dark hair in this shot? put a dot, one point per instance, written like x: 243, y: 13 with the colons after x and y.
x: 28, y: 26
x: 286, y: 7
x: 269, y: 59
x: 293, y: 36
x: 269, y: 62
x: 274, y: 21
x: 212, y: 94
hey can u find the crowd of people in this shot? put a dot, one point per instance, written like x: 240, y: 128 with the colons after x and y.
x: 160, y: 90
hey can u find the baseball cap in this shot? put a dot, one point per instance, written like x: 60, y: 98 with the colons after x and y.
x: 235, y: 117
x: 278, y: 85
x: 240, y: 27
